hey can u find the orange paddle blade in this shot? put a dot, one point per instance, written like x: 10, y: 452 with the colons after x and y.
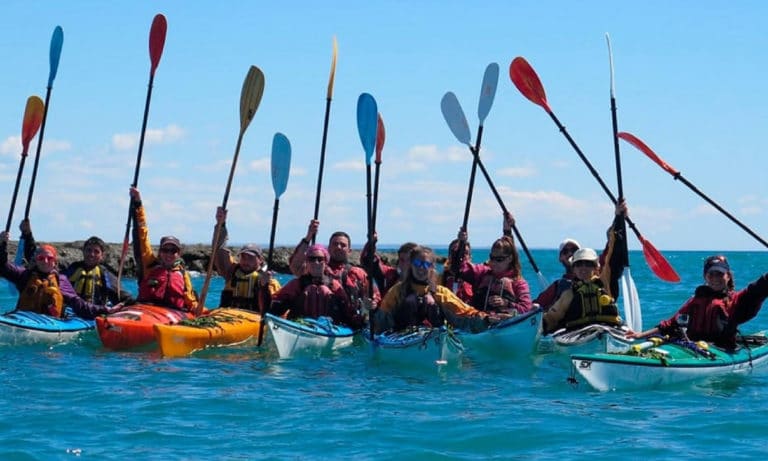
x: 33, y: 118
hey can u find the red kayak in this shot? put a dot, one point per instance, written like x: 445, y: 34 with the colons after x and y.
x: 133, y: 326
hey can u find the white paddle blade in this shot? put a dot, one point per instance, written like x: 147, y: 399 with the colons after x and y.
x: 455, y: 118
x: 632, y: 312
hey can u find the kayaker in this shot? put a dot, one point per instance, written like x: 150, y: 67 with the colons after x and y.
x: 353, y: 278
x: 42, y: 288
x: 249, y: 285
x: 498, y: 285
x: 591, y: 300
x: 548, y: 297
x: 92, y: 279
x: 451, y: 276
x: 315, y: 294
x: 419, y: 301
x: 164, y: 279
x: 716, y: 309
x: 385, y: 275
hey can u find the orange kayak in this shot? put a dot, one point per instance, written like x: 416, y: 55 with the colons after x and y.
x: 220, y: 327
x: 133, y: 326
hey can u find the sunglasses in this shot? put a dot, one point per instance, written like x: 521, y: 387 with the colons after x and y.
x: 44, y: 258
x: 584, y: 264
x: 316, y: 259
x: 420, y: 263
x: 169, y: 250
x: 497, y: 259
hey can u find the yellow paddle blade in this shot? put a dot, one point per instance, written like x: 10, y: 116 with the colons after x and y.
x: 250, y: 96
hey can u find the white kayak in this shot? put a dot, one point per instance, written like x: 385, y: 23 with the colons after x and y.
x: 307, y: 336
x: 24, y: 327
x: 586, y: 340
x: 417, y: 345
x: 515, y: 336
x: 651, y: 365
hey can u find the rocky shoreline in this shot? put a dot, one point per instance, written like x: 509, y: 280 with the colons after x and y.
x: 196, y: 256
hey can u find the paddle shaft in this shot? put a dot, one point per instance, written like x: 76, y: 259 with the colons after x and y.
x: 617, y: 155
x: 37, y: 152
x: 504, y: 209
x: 322, y: 159
x: 266, y: 298
x: 15, y: 193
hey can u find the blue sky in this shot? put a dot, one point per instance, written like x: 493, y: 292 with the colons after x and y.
x: 689, y: 82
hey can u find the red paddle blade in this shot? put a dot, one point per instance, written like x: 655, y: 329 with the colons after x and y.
x: 157, y: 40
x: 658, y: 263
x: 381, y: 134
x: 642, y: 147
x: 33, y: 118
x: 527, y: 82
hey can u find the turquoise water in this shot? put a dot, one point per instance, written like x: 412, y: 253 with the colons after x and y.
x: 80, y: 401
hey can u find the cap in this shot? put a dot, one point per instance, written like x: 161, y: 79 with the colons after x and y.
x: 584, y: 254
x: 250, y: 248
x: 569, y: 241
x: 318, y: 247
x: 717, y: 263
x: 49, y: 248
x: 170, y: 240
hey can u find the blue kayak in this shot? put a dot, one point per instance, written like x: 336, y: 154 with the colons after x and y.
x: 24, y: 327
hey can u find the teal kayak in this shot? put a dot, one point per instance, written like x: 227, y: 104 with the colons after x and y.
x: 654, y: 364
x: 24, y: 327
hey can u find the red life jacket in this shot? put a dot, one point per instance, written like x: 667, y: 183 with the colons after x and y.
x: 165, y: 287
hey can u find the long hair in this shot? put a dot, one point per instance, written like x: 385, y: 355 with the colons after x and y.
x: 425, y: 254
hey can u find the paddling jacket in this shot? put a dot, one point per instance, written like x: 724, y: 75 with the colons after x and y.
x: 47, y: 293
x: 308, y: 297
x: 414, y: 304
x: 510, y: 285
x: 463, y: 289
x: 715, y: 315
x: 97, y: 284
x: 164, y: 286
x: 354, y: 279
x: 590, y: 302
x: 548, y: 297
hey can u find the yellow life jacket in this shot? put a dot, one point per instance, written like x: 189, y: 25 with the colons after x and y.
x: 241, y: 290
x: 40, y: 294
x: 591, y: 304
x: 87, y: 283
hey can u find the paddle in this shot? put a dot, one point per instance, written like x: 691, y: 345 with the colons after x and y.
x: 527, y: 82
x: 632, y: 312
x: 325, y: 132
x: 281, y: 166
x: 457, y: 122
x: 250, y: 97
x: 57, y: 40
x: 642, y: 147
x: 381, y: 135
x: 367, y: 126
x: 33, y: 118
x: 156, y: 43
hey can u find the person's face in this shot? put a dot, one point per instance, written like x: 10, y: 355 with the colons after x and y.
x: 566, y: 253
x: 168, y: 255
x: 250, y: 262
x: 45, y: 261
x: 339, y: 249
x: 498, y: 261
x: 717, y: 280
x: 403, y: 261
x: 421, y: 267
x: 92, y: 255
x: 467, y: 256
x: 583, y: 270
x: 316, y: 264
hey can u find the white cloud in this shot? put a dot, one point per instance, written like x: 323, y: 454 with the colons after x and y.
x: 167, y: 135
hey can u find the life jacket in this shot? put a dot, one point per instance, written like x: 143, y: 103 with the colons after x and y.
x: 591, y: 304
x: 317, y: 298
x: 165, y: 287
x: 90, y: 284
x: 353, y: 288
x: 463, y: 289
x: 563, y: 285
x: 42, y: 293
x: 413, y: 310
x: 491, y: 285
x: 242, y: 290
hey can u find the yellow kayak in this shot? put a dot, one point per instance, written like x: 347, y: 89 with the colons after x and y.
x: 220, y: 327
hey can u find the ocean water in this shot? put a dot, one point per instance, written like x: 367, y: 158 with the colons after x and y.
x: 80, y: 401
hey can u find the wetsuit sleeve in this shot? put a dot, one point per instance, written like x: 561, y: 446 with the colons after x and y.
x: 747, y: 302
x: 82, y: 308
x: 612, y: 260
x: 296, y: 261
x: 556, y: 313
x: 30, y: 245
x: 142, y: 237
x: 523, y: 302
x: 547, y: 297
x: 223, y: 262
x: 190, y: 297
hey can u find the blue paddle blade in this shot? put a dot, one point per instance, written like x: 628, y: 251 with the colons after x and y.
x: 57, y: 40
x: 281, y: 163
x: 367, y: 124
x: 455, y: 118
x: 488, y: 91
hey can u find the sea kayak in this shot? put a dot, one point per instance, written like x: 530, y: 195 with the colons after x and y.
x: 24, y: 327
x: 514, y: 336
x: 134, y: 326
x: 648, y: 365
x: 586, y: 340
x: 307, y: 336
x: 218, y: 328
x: 417, y: 346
